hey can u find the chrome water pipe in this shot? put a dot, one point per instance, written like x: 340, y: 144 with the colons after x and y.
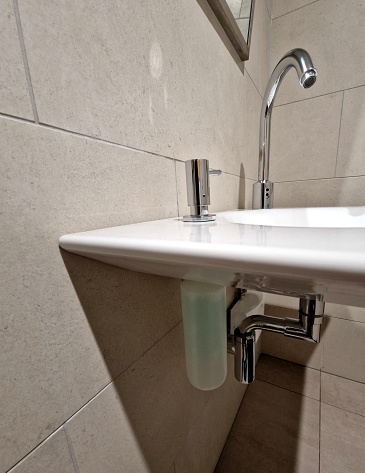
x: 306, y: 327
x: 263, y: 189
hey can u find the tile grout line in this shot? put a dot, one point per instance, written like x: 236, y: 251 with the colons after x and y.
x: 339, y: 132
x: 287, y: 389
x: 319, y: 179
x: 70, y: 448
x: 98, y: 140
x: 317, y: 96
x: 87, y: 137
x: 296, y: 9
x: 25, y: 61
x: 92, y: 398
x: 177, y: 194
x: 342, y: 409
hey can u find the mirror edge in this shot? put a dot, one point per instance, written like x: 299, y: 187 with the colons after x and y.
x: 225, y: 18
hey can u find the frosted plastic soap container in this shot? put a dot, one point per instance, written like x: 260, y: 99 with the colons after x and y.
x: 205, y: 333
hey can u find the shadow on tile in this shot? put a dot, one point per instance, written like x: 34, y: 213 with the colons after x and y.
x: 141, y: 421
x: 275, y: 431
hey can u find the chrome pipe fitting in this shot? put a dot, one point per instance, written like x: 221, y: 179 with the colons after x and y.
x: 306, y: 327
x: 198, y: 189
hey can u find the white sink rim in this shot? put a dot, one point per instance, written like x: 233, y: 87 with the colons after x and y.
x: 282, y: 260
x: 305, y: 217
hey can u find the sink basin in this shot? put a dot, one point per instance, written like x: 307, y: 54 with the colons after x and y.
x: 315, y: 217
x: 294, y: 252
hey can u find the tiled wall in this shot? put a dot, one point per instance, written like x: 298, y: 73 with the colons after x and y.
x: 100, y: 104
x: 318, y: 150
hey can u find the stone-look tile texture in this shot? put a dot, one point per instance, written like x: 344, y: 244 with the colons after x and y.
x: 210, y: 432
x: 275, y: 431
x: 282, y: 7
x: 320, y: 193
x: 342, y: 441
x: 55, y: 183
x: 350, y: 161
x: 152, y: 96
x: 293, y: 377
x: 308, y: 148
x: 317, y: 28
x: 14, y: 96
x: 154, y: 401
x: 343, y: 393
x: 154, y: 78
x: 257, y: 66
x: 344, y: 349
x: 53, y: 455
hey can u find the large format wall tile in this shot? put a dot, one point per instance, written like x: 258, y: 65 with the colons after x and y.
x: 275, y: 430
x: 140, y: 422
x: 351, y: 149
x: 296, y: 378
x: 304, y: 139
x: 60, y: 347
x: 343, y: 393
x: 52, y: 455
x: 207, y: 438
x: 320, y: 193
x: 344, y: 349
x: 281, y: 7
x: 317, y: 28
x: 14, y: 96
x: 342, y: 441
x: 150, y: 75
x: 257, y: 65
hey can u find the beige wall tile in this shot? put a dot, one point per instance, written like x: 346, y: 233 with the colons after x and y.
x: 281, y: 7
x: 344, y: 349
x: 143, y: 418
x: 157, y: 76
x: 103, y: 437
x: 257, y: 65
x: 304, y: 139
x: 60, y: 347
x: 297, y: 351
x: 207, y: 438
x: 14, y: 96
x: 351, y: 149
x: 296, y: 378
x: 248, y: 193
x: 316, y: 28
x: 332, y: 310
x: 263, y: 439
x: 320, y: 193
x: 52, y: 455
x: 250, y: 146
x: 343, y: 393
x: 342, y: 441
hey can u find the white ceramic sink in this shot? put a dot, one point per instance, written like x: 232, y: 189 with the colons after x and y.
x: 313, y: 217
x: 294, y: 252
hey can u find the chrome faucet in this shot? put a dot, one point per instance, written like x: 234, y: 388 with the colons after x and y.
x: 263, y: 189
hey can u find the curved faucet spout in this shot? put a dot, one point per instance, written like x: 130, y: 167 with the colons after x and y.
x: 301, y: 61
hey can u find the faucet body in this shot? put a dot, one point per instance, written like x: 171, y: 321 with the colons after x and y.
x: 198, y: 189
x: 263, y: 189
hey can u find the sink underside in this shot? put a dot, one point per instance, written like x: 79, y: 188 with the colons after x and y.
x: 292, y: 261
